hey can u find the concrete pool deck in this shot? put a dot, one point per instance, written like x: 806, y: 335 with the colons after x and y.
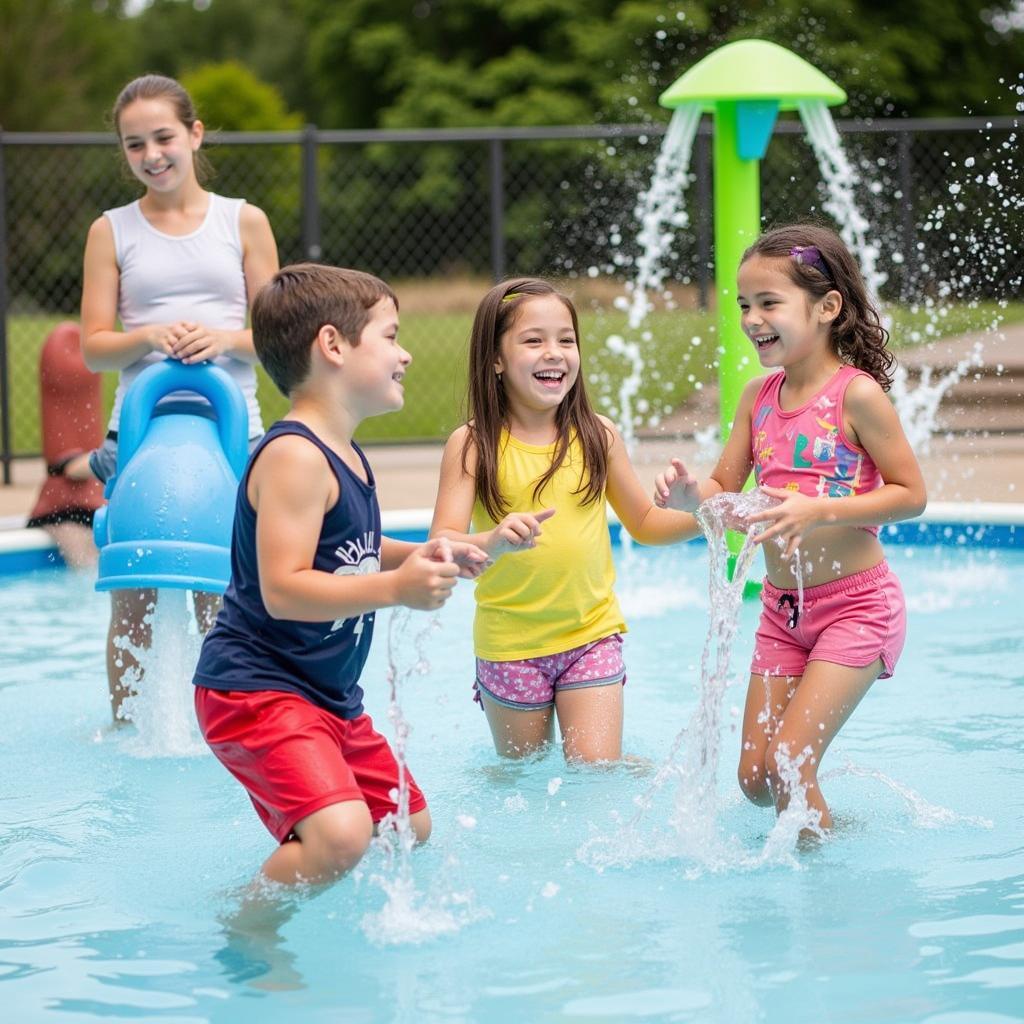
x: 957, y: 468
x: 979, y: 458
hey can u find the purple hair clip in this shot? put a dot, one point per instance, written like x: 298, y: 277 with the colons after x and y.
x: 810, y: 256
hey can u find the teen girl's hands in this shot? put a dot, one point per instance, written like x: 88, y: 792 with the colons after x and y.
x: 427, y: 576
x: 161, y: 338
x: 196, y: 343
x: 518, y: 531
x: 791, y: 520
x: 677, y: 488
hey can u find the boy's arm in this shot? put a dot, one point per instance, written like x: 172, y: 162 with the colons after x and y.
x: 394, y: 552
x: 291, y: 488
x: 453, y: 509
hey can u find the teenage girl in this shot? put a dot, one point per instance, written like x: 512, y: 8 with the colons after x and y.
x: 169, y: 276
x: 532, y: 470
x: 821, y: 436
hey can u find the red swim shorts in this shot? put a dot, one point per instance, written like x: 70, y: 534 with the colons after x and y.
x: 294, y: 758
x: 851, y: 621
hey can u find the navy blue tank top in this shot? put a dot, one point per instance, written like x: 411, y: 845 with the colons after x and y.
x: 322, y: 661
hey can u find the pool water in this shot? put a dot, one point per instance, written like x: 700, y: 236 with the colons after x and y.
x: 120, y: 872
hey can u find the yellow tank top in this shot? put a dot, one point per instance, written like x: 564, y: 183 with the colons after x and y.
x: 558, y: 595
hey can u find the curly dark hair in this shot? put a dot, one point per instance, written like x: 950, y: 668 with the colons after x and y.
x: 857, y: 332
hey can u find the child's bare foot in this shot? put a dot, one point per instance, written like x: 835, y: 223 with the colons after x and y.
x: 254, y: 952
x: 637, y: 765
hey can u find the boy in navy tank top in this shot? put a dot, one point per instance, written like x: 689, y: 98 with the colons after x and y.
x: 277, y: 684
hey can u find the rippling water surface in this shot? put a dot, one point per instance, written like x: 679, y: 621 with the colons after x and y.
x: 120, y: 873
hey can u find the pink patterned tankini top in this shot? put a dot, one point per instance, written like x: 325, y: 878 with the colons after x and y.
x: 806, y: 449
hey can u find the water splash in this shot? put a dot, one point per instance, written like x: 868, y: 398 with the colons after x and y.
x: 919, y: 406
x: 923, y: 813
x: 972, y: 582
x: 693, y: 758
x: 660, y: 211
x: 409, y: 915
x: 161, y: 704
x: 841, y: 183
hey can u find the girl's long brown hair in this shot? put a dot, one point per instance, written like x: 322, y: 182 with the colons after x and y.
x: 857, y: 333
x: 487, y: 402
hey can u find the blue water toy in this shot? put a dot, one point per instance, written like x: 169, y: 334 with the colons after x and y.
x: 171, y: 502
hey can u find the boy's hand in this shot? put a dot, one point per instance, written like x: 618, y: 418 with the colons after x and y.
x: 470, y: 559
x: 791, y: 520
x: 518, y: 531
x: 677, y: 488
x: 426, y: 578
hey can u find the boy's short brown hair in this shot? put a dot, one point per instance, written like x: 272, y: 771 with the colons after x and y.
x: 296, y: 302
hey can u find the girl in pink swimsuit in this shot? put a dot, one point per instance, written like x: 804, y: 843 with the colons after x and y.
x: 819, y: 434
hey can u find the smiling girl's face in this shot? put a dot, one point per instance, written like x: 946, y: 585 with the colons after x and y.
x: 159, y: 148
x: 539, y: 358
x: 779, y: 317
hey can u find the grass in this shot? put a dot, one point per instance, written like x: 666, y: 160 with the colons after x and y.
x: 674, y: 364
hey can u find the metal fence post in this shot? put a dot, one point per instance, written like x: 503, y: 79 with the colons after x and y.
x: 5, y: 396
x: 702, y: 197
x: 908, y: 241
x: 310, y: 195
x: 497, y: 176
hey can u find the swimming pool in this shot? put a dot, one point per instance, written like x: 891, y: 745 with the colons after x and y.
x: 118, y: 871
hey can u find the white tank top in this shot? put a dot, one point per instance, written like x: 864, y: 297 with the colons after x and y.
x: 197, y: 277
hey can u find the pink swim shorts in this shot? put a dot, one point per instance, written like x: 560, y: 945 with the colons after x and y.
x: 531, y: 684
x: 852, y: 621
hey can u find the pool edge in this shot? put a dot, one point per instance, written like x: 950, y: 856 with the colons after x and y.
x: 945, y: 523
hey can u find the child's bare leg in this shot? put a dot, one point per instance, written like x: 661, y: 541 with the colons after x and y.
x: 129, y: 610
x: 421, y: 824
x: 78, y: 468
x: 767, y: 697
x: 206, y: 608
x: 75, y: 544
x: 590, y: 719
x: 517, y: 733
x: 331, y: 842
x: 823, y: 701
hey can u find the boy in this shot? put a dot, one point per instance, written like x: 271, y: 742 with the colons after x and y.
x: 277, y: 684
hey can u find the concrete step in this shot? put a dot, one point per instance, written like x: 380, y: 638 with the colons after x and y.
x: 989, y: 399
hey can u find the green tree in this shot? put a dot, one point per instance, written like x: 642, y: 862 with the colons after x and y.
x: 230, y: 97
x: 425, y: 63
x: 268, y: 37
x: 61, y: 63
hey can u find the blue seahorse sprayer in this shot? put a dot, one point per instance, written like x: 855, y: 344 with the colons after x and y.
x: 171, y: 502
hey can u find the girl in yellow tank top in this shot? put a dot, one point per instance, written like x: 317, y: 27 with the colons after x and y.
x: 529, y: 475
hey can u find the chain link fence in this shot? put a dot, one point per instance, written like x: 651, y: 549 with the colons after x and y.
x: 441, y: 214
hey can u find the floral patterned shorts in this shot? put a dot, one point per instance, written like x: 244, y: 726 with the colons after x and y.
x: 531, y: 684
